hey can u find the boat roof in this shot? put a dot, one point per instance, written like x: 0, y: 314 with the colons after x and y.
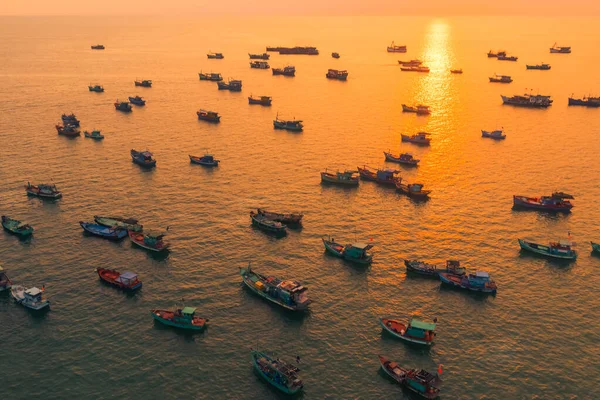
x: 33, y: 291
x: 426, y: 326
x: 188, y: 310
x: 128, y: 275
x: 482, y: 274
x: 362, y: 246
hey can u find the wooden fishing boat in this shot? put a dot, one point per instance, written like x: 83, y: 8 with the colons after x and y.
x: 410, y: 63
x: 96, y: 88
x: 414, y: 190
x: 149, y: 241
x: 16, y: 227
x: 497, y: 134
x: 95, y: 134
x: 212, y: 76
x: 345, y: 178
x: 127, y: 280
x: 215, y: 56
x: 500, y: 78
x: 289, y: 70
x: 104, y: 231
x: 415, y: 68
x: 423, y: 268
x: 233, y: 85
x: 210, y: 116
x: 137, y: 100
x: 563, y: 249
x: 542, y: 66
x: 495, y: 55
x: 67, y: 130
x: 335, y: 55
x: 420, y: 382
x: 183, y: 318
x: 595, y: 247
x: 507, y: 58
x: 557, y: 202
x: 259, y: 65
x: 130, y: 224
x: 357, y: 252
x: 288, y: 294
x: 419, y: 109
x: 415, y: 331
x: 393, y: 48
x: 5, y: 282
x: 262, y: 100
x: 143, y: 82
x: 340, y: 75
x: 31, y: 298
x: 143, y: 158
x: 288, y: 219
x: 293, y: 125
x: 208, y: 160
x: 560, y: 49
x: 43, y: 190
x: 123, y: 106
x: 263, y: 56
x: 480, y: 281
x: 421, y: 138
x: 404, y: 158
x: 98, y: 47
x: 586, y: 101
x: 277, y: 372
x: 456, y: 71
x: 70, y: 119
x: 528, y: 100
x: 384, y: 176
x: 268, y: 225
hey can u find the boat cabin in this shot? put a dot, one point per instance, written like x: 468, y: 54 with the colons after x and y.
x: 387, y: 175
x: 419, y: 329
x: 127, y: 279
x: 33, y: 295
x: 358, y: 251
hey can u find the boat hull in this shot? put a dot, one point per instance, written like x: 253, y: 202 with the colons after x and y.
x: 197, y: 160
x: 138, y: 239
x: 447, y: 279
x: 329, y: 247
x: 327, y: 178
x: 260, y: 224
x: 103, y: 231
x: 284, y: 389
x: 104, y: 277
x: 126, y: 223
x: 23, y: 233
x: 175, y: 324
x: 546, y: 251
x: 527, y: 203
x: 249, y: 285
x: 402, y: 337
x: 398, y: 160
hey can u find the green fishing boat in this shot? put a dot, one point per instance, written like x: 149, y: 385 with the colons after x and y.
x: 595, y: 247
x: 357, y: 252
x: 130, y: 224
x: 277, y: 372
x: 183, y: 318
x: 16, y: 227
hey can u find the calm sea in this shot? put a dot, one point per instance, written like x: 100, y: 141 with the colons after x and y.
x: 537, y: 338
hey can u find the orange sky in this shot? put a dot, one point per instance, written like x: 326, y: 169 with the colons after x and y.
x: 302, y: 7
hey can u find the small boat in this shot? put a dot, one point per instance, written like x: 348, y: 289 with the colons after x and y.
x: 16, y: 227
x: 268, y: 225
x: 288, y: 219
x: 560, y: 49
x: 415, y: 68
x: 293, y: 125
x: 456, y: 71
x: 290, y: 70
x: 31, y: 298
x: 585, y: 101
x: 541, y: 66
x: 563, y: 249
x: 423, y: 268
x: 96, y: 88
x: 233, y: 85
x: 335, y: 55
x: 420, y: 138
x: 143, y: 82
x: 130, y: 224
x: 419, y: 109
x: 48, y: 191
x: 414, y: 190
x: 70, y: 120
x: 68, y: 130
x: 500, y: 79
x: 98, y: 47
x: 528, y: 100
x: 393, y: 48
x: 404, y: 158
x: 262, y: 100
x: 263, y: 56
x: 143, y: 158
x: 183, y: 318
x: 495, y: 134
x: 210, y: 116
x: 149, y: 241
x: 104, y: 231
x: 137, y: 100
x: 345, y: 178
x: 340, y: 75
x: 277, y: 372
x: 288, y: 294
x: 384, y: 176
x: 557, y: 202
x: 5, y: 282
x: 95, y: 134
x: 127, y: 280
x: 420, y: 382
x: 507, y: 58
x: 213, y: 76
x: 410, y: 63
x: 415, y: 331
x: 208, y: 160
x: 259, y: 65
x: 500, y: 53
x: 480, y: 281
x: 215, y: 56
x: 357, y: 252
x: 595, y: 247
x: 123, y: 106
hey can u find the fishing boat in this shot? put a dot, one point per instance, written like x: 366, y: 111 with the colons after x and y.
x: 210, y: 116
x: 560, y: 49
x: 5, y: 282
x: 137, y: 100
x: 233, y: 85
x: 17, y: 227
x: 480, y: 281
x: 127, y: 280
x: 340, y: 75
x: 456, y: 71
x: 143, y: 82
x: 500, y: 53
x: 261, y: 100
x: 344, y: 178
x: 423, y: 268
x: 420, y: 382
x: 288, y: 219
x: 404, y: 158
x: 104, y: 231
x: 585, y: 101
x: 495, y: 134
x: 67, y: 130
x: 415, y: 331
x: 410, y: 63
x: 277, y: 372
x: 96, y: 88
x: 507, y: 58
x: 149, y: 241
x: 420, y: 138
x: 384, y: 176
x: 335, y: 55
x: 299, y: 50
x: 208, y: 160
x: 267, y: 225
x: 212, y: 76
x: 289, y: 70
x: 98, y: 47
x: 414, y: 190
x: 70, y: 119
x: 293, y: 125
x: 259, y: 65
x: 288, y: 294
x: 143, y: 158
x: 95, y: 134
x: 31, y: 298
x: 563, y: 249
x: 419, y: 109
x: 215, y: 56
x: 183, y: 318
x: 528, y: 100
x: 356, y: 252
x: 557, y: 202
x: 541, y: 66
x: 415, y: 68
x: 500, y: 79
x: 123, y: 106
x: 48, y: 191
x: 130, y: 224
x: 393, y: 48
x: 263, y: 56
x: 595, y: 247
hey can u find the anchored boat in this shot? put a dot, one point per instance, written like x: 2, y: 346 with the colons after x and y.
x: 410, y: 63
x: 423, y: 268
x: 16, y: 227
x: 210, y: 116
x: 143, y: 158
x: 293, y: 125
x: 288, y: 219
x: 70, y: 119
x: 67, y: 130
x: 385, y: 176
x: 500, y: 79
x: 585, y: 101
x: 500, y: 53
x: 419, y: 109
x: 404, y: 158
x: 215, y: 77
x: 289, y: 70
x: 216, y: 56
x: 558, y: 202
x: 563, y: 249
x: 277, y: 372
x: 420, y: 382
x: 393, y: 48
x: 48, y: 191
x: 420, y: 138
x: 415, y: 331
x: 340, y: 75
x: 259, y: 65
x: 528, y: 100
x: 263, y: 56
x: 345, y: 178
x: 560, y: 49
x: 31, y: 298
x: 507, y: 58
x: 130, y: 224
x: 456, y: 71
x: 357, y: 252
x: 104, y: 231
x: 143, y: 82
x: 183, y: 318
x: 335, y: 55
x: 127, y: 280
x: 98, y: 47
x: 267, y: 225
x: 262, y: 100
x: 96, y: 88
x: 414, y: 190
x: 415, y: 68
x: 208, y: 160
x: 233, y: 85
x: 149, y: 241
x: 541, y: 66
x: 95, y: 134
x: 497, y: 134
x: 123, y: 106
x: 137, y: 100
x: 595, y: 247
x: 480, y: 281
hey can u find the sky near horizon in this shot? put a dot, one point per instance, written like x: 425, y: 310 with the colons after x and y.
x: 303, y: 7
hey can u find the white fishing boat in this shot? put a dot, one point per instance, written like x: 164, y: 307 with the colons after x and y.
x: 31, y: 298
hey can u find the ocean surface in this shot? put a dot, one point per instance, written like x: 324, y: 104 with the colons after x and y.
x: 538, y: 338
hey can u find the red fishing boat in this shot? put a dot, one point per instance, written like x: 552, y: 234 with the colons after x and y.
x: 149, y: 241
x: 382, y: 176
x: 414, y: 190
x: 557, y: 202
x: 125, y: 280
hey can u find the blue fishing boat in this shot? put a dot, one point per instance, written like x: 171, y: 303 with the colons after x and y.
x: 357, y: 252
x: 480, y: 281
x: 277, y: 372
x: 208, y: 160
x: 103, y: 231
x: 423, y: 268
x: 16, y: 227
x: 267, y: 225
x: 183, y: 318
x: 143, y: 158
x: 563, y: 249
x: 123, y: 106
x: 415, y: 331
x: 137, y: 100
x: 131, y: 224
x: 419, y: 382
